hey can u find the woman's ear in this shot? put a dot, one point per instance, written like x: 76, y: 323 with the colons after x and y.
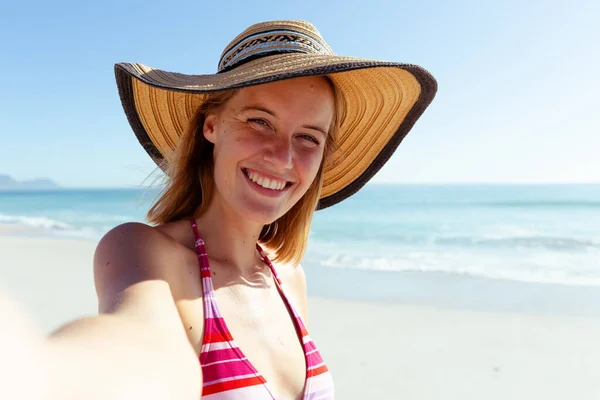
x: 208, y: 129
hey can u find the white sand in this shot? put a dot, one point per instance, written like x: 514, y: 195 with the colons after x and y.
x: 375, y: 351
x: 411, y: 352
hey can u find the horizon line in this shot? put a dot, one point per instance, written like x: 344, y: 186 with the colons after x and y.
x: 482, y: 183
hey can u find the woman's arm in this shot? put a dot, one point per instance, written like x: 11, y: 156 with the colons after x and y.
x: 137, y: 347
x: 23, y: 370
x: 119, y: 357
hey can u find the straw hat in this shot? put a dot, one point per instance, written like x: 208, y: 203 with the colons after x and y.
x: 381, y: 100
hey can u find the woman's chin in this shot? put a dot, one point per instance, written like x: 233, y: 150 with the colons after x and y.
x: 260, y: 215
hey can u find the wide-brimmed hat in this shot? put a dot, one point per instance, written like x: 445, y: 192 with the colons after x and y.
x: 381, y: 100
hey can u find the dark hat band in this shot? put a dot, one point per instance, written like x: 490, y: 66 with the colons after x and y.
x: 268, y: 43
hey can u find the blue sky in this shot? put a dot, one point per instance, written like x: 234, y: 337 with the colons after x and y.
x: 518, y: 98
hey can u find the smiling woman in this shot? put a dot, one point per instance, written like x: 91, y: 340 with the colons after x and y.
x: 288, y: 119
x: 265, y: 148
x: 210, y: 299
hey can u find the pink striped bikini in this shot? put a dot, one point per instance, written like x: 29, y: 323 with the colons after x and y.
x: 227, y: 374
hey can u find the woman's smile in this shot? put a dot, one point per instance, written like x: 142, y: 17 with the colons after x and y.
x: 266, y: 184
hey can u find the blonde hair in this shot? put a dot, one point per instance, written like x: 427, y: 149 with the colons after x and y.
x: 190, y: 185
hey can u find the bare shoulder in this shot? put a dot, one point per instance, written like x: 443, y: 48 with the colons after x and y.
x: 294, y: 279
x: 130, y: 269
x: 128, y: 252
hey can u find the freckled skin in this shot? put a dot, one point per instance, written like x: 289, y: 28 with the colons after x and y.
x: 280, y: 144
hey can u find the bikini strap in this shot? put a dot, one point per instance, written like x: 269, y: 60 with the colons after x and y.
x: 268, y: 262
x: 298, y: 321
x: 207, y: 286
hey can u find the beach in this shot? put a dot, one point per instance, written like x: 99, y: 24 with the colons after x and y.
x: 375, y: 349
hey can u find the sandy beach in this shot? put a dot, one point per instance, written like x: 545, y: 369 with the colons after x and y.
x: 374, y: 350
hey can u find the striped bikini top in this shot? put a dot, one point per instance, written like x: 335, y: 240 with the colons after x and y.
x: 226, y: 372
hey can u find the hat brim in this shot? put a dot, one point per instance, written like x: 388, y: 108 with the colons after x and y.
x: 382, y: 101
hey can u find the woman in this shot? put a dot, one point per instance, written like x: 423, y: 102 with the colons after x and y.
x: 210, y: 298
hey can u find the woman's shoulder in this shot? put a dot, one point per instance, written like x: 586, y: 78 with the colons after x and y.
x: 151, y: 248
x: 150, y: 237
x: 140, y: 255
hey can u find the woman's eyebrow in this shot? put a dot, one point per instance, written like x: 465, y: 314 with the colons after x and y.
x: 316, y: 128
x: 270, y: 112
x: 258, y: 108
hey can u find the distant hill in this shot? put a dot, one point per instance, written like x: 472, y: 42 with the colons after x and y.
x: 8, y: 183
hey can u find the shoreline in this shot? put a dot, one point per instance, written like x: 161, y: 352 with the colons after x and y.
x: 435, y: 289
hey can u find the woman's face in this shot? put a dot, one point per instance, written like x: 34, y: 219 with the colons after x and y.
x: 268, y: 145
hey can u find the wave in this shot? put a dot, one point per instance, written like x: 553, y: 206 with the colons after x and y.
x: 472, y: 266
x: 545, y: 242
x: 510, y: 239
x: 35, y: 222
x: 52, y: 227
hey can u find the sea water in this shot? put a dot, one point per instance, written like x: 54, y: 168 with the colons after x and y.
x: 504, y: 246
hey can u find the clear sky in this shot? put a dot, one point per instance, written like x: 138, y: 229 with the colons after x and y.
x: 518, y: 99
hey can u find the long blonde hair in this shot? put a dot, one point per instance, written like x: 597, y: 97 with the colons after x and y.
x: 190, y: 184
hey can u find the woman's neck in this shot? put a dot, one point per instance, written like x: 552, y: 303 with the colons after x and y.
x: 229, y: 238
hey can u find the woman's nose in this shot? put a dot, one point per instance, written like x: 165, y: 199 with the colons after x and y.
x: 279, y: 153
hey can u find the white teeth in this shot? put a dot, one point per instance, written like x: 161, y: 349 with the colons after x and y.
x: 265, y: 182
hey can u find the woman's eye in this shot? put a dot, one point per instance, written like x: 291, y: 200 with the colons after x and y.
x: 258, y: 121
x: 310, y: 138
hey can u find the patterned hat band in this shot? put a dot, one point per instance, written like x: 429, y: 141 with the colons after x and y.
x: 270, y: 43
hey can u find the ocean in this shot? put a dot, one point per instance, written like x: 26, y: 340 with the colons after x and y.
x: 510, y: 247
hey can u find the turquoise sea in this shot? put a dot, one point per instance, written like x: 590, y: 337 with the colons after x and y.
x: 512, y: 247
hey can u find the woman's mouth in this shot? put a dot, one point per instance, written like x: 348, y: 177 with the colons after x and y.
x: 265, y: 184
